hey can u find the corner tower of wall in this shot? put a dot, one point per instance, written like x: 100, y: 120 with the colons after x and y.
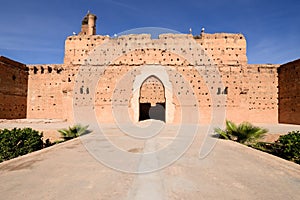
x: 88, y: 24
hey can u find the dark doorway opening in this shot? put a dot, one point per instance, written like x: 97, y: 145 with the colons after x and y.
x: 157, y: 112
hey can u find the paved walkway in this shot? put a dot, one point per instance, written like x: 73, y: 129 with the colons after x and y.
x: 230, y: 171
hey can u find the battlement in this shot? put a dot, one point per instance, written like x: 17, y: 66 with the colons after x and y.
x: 225, y: 48
x: 222, y: 48
x: 45, y: 69
x: 77, y: 48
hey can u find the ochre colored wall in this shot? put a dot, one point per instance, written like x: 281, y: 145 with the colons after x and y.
x: 213, y: 68
x: 224, y: 48
x: 250, y: 91
x: 289, y: 93
x: 13, y: 89
x: 50, y: 90
x: 152, y: 91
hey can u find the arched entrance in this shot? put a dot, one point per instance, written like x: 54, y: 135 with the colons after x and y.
x: 152, y: 100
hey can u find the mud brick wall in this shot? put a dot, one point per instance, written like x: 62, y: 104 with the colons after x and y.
x: 289, y: 93
x: 50, y: 91
x: 224, y: 48
x: 190, y: 63
x: 13, y: 89
x: 250, y: 90
x: 203, y: 72
x: 251, y: 93
x: 77, y: 48
x: 152, y: 91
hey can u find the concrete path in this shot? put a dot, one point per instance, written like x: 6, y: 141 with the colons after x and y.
x: 230, y: 171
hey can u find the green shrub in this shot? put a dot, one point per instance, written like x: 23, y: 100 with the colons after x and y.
x: 244, y: 133
x: 73, y: 132
x: 264, y: 146
x: 17, y: 142
x: 288, y: 146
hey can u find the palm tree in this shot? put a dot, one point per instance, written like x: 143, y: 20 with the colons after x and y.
x: 73, y: 132
x: 244, y: 133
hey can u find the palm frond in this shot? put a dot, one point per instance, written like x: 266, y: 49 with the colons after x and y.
x: 244, y: 133
x: 74, y: 131
x: 222, y: 133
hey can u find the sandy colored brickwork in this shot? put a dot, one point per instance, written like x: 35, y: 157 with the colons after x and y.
x: 13, y: 89
x: 250, y: 90
x: 210, y: 67
x: 289, y: 92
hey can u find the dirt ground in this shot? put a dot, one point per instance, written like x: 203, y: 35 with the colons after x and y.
x: 72, y: 170
x: 50, y: 127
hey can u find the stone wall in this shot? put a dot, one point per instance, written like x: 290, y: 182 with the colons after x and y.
x: 77, y: 48
x: 250, y: 90
x: 206, y: 72
x: 289, y: 93
x: 252, y: 93
x: 13, y: 89
x: 152, y: 91
x: 203, y: 72
x: 224, y: 48
x: 50, y: 91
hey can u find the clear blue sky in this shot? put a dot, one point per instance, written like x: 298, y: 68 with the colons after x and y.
x: 34, y: 31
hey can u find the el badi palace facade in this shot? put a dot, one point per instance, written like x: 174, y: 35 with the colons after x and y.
x: 152, y: 78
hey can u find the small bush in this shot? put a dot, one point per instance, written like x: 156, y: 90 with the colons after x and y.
x: 244, y: 133
x: 264, y: 146
x: 288, y: 146
x: 17, y: 142
x: 73, y: 132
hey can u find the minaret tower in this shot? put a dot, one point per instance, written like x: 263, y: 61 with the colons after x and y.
x: 88, y: 26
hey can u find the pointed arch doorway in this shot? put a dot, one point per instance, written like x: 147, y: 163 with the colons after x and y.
x: 160, y: 73
x: 152, y: 100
